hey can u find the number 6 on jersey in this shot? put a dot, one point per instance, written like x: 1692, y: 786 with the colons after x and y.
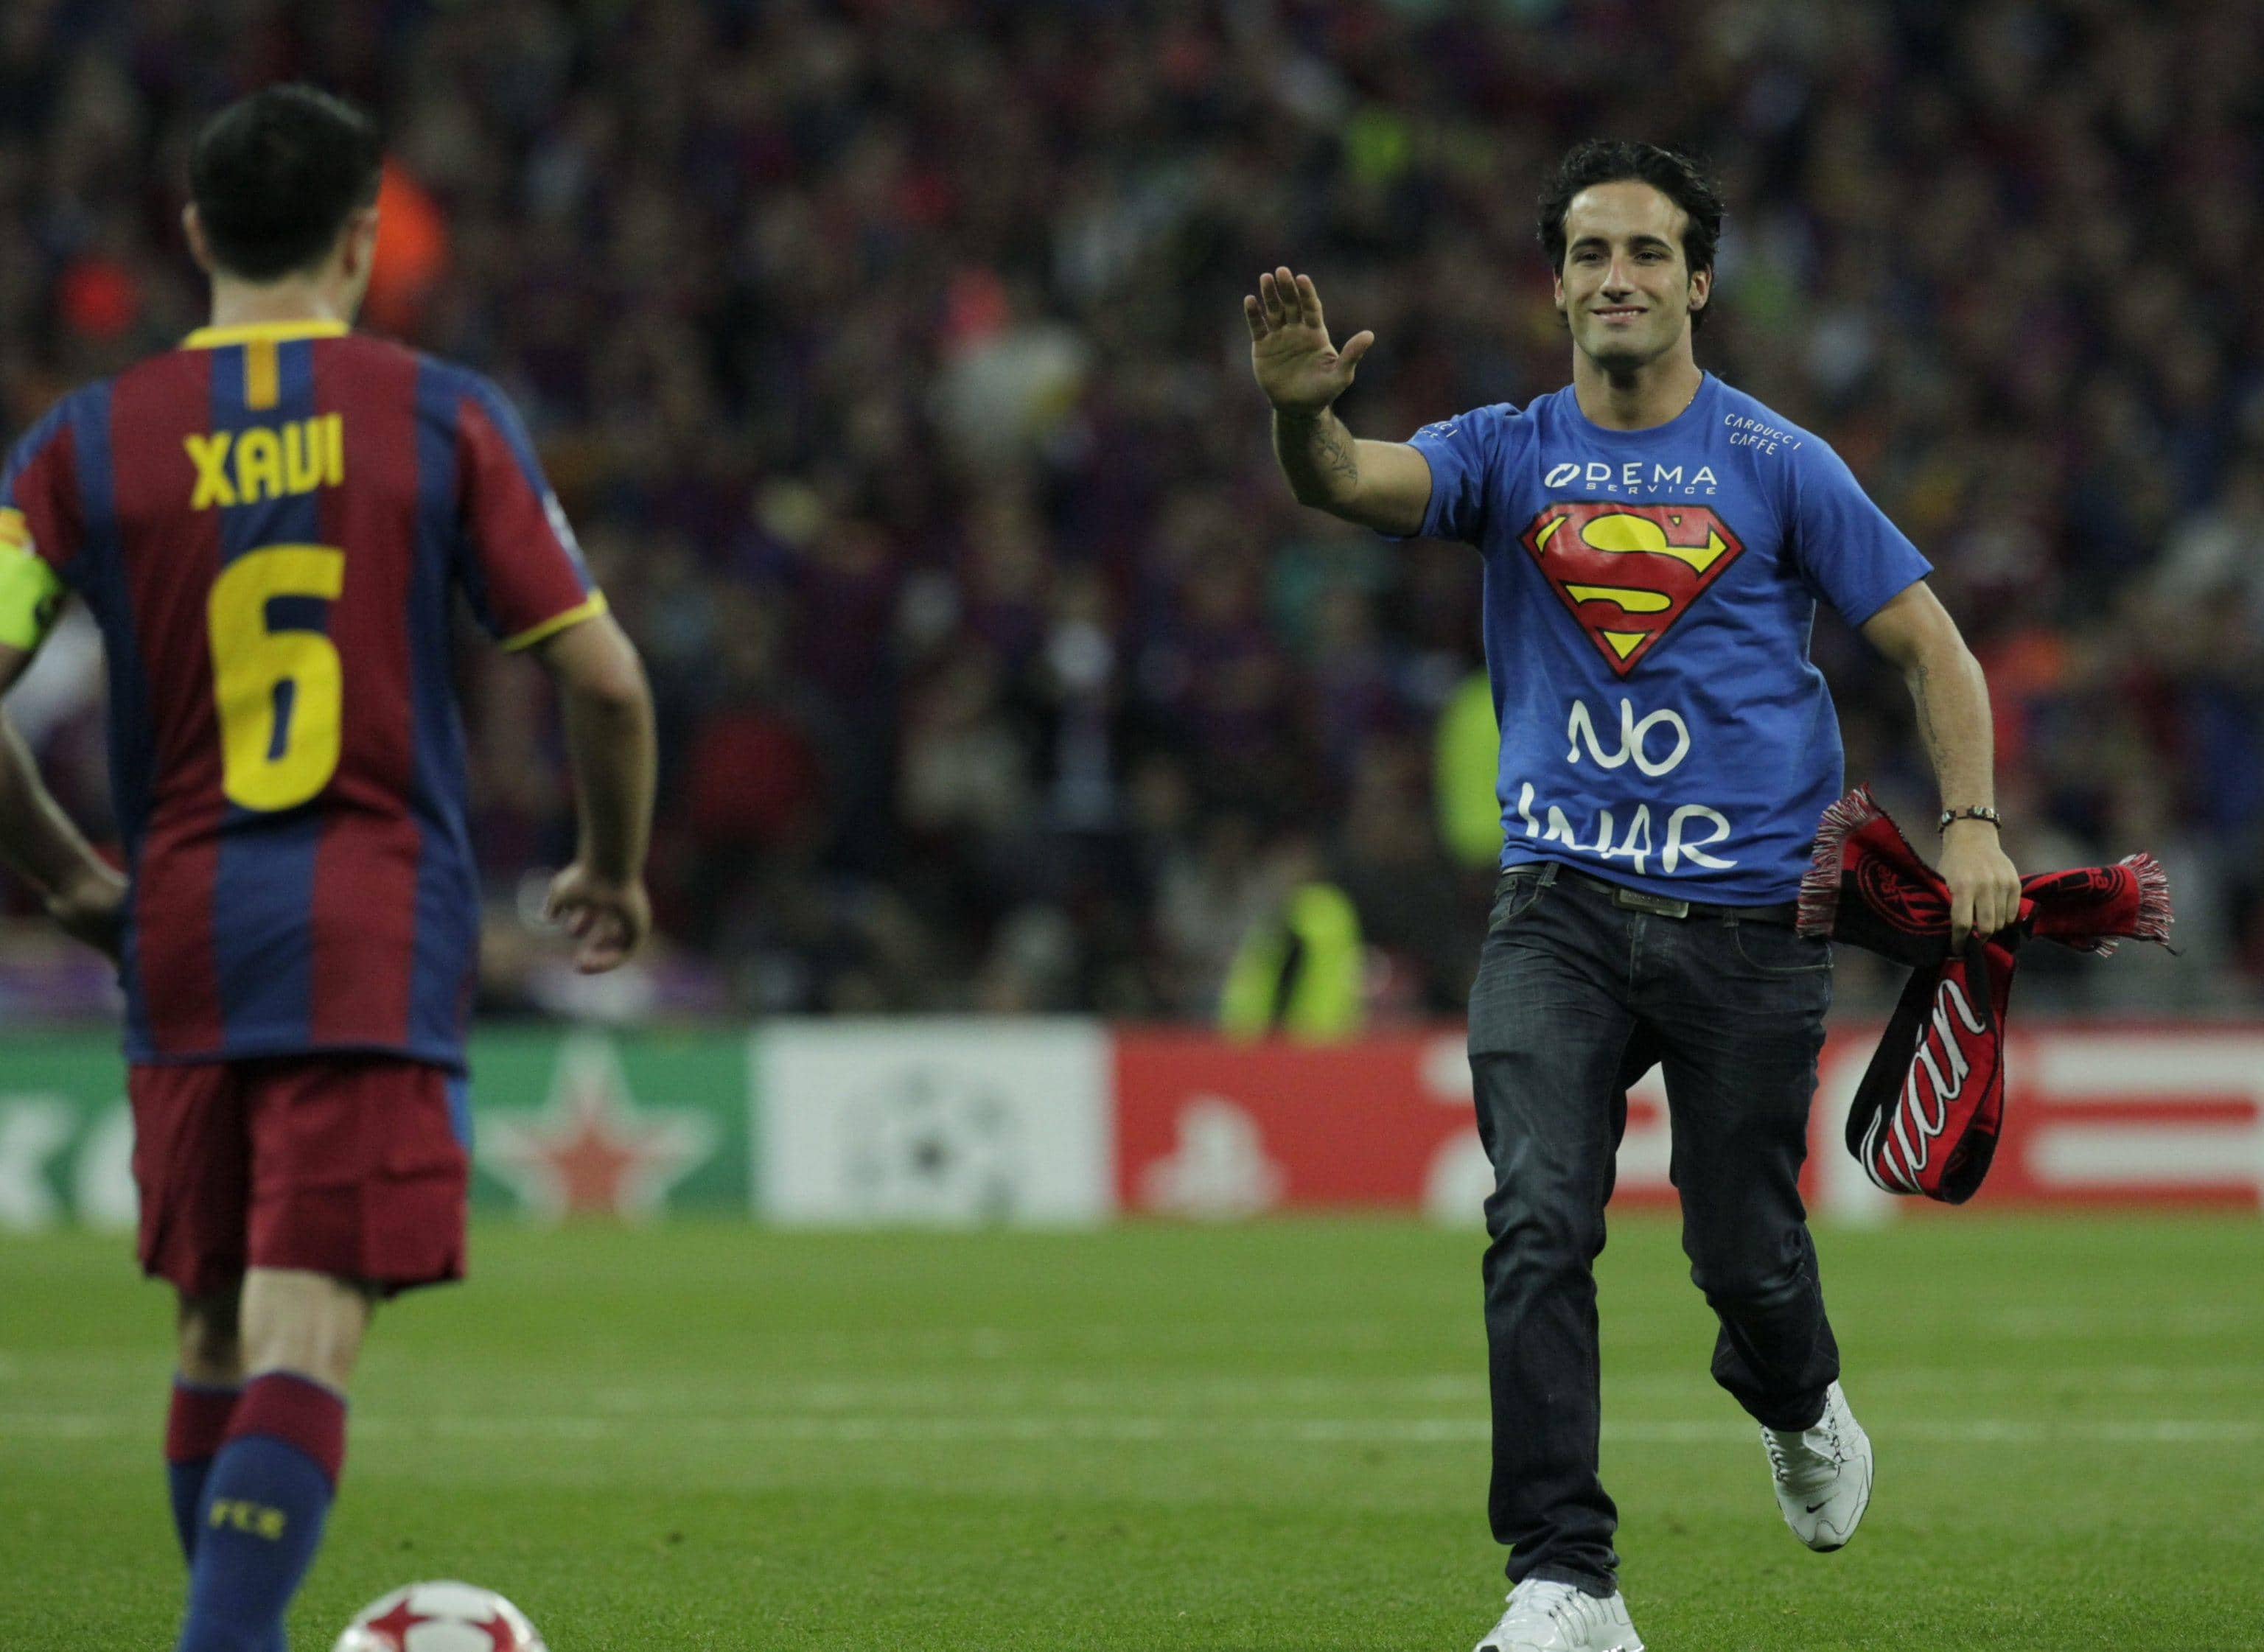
x: 279, y: 691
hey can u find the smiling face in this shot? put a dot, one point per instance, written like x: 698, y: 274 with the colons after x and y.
x: 1626, y: 290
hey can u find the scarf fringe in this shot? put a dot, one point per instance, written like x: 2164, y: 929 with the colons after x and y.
x: 1819, y: 885
x: 2154, y: 915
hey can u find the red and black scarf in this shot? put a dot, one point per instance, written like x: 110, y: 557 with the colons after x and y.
x: 1926, y: 1117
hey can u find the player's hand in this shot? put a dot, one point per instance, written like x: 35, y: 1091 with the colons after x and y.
x: 1985, y: 890
x: 608, y: 920
x: 91, y: 908
x: 1299, y: 370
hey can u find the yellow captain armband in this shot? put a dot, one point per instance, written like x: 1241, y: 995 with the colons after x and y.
x: 31, y: 595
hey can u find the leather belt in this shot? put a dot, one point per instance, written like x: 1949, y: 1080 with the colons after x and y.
x: 1786, y: 912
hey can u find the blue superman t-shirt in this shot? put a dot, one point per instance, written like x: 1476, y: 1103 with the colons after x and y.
x: 1648, y: 600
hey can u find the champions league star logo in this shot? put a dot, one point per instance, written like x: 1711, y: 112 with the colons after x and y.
x: 1628, y: 572
x: 594, y: 1150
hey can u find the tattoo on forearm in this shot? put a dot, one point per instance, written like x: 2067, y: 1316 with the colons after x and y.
x: 1318, y: 456
x: 1962, y: 767
x: 1920, y: 687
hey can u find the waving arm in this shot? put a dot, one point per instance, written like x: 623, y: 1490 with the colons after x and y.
x: 1384, y: 485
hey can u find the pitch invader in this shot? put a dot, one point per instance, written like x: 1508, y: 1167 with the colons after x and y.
x: 1655, y: 543
x: 271, y: 525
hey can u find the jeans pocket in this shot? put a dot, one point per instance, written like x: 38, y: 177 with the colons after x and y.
x: 1512, y: 898
x: 1776, y: 949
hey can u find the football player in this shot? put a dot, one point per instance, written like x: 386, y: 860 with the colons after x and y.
x: 272, y: 525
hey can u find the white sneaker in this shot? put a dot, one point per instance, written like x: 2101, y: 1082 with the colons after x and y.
x: 1822, y: 1474
x: 1558, y: 1618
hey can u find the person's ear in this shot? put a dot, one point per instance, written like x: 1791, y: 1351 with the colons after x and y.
x: 361, y: 242
x: 193, y: 227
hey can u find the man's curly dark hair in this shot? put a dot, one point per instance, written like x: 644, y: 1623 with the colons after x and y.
x: 1682, y: 178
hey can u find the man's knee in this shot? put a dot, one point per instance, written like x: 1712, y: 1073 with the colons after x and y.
x: 1751, y: 1283
x: 311, y: 1324
x: 1542, y: 1237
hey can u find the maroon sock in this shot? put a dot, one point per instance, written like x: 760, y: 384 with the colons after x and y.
x: 265, y: 1503
x: 298, y: 1410
x: 196, y: 1421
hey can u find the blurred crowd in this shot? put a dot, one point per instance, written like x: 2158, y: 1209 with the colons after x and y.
x: 889, y: 356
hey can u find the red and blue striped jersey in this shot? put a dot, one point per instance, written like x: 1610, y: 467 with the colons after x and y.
x: 270, y: 524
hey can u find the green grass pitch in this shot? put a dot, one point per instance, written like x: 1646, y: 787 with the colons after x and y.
x: 1268, y: 1439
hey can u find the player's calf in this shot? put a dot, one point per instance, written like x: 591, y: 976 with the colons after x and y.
x: 203, y: 1400
x: 265, y: 1501
x: 268, y: 1492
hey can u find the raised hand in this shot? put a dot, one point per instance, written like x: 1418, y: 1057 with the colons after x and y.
x: 1300, y: 371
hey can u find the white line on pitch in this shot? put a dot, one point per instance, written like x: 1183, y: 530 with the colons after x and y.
x: 848, y: 1429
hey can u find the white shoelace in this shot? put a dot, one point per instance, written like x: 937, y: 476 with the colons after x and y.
x: 1562, y: 1601
x: 1779, y: 1454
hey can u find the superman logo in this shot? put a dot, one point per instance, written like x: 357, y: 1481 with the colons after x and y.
x: 1628, y: 572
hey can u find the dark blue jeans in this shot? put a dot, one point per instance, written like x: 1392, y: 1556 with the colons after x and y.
x: 1576, y: 998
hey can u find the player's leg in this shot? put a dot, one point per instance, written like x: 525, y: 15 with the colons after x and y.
x: 191, y: 1169
x: 269, y: 1492
x: 211, y: 1350
x: 358, y: 1190
x: 1550, y: 1038
x: 1738, y: 1009
x: 210, y: 1378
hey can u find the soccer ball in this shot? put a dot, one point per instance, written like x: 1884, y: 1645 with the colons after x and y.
x: 441, y: 1618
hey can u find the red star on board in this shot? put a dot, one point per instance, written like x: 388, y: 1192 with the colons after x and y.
x: 394, y: 1627
x: 592, y: 1150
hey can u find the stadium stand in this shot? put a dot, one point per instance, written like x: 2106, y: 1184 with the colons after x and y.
x: 890, y: 358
